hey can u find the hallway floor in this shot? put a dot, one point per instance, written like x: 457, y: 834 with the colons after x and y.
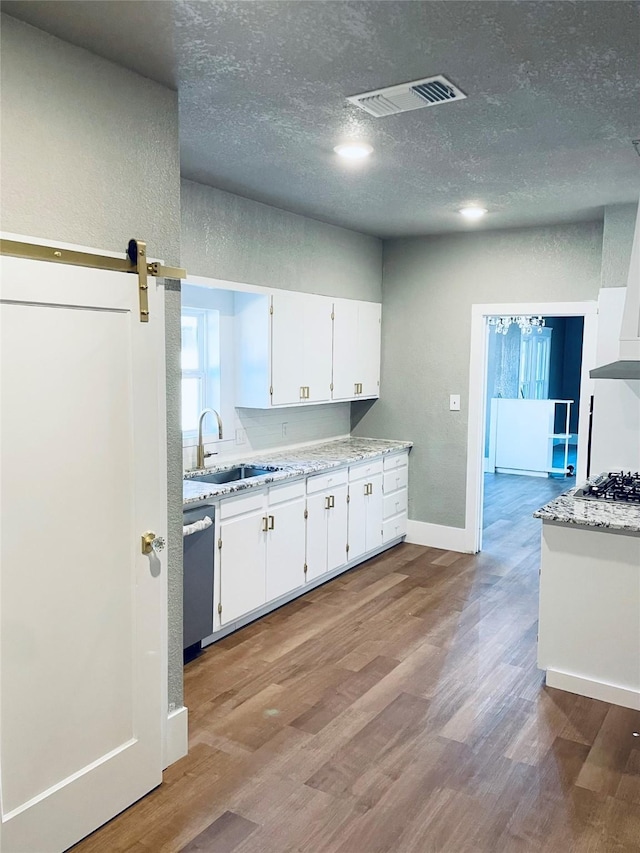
x: 397, y: 709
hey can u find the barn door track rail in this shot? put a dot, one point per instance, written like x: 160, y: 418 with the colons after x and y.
x: 134, y: 261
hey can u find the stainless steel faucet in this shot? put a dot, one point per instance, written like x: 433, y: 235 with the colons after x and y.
x: 202, y: 455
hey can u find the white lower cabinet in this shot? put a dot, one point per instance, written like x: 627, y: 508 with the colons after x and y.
x: 274, y: 540
x: 241, y: 564
x: 326, y: 523
x: 261, y: 548
x: 285, y: 539
x: 365, y: 508
x: 394, y: 502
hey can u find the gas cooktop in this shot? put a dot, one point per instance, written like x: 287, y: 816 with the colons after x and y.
x: 615, y: 486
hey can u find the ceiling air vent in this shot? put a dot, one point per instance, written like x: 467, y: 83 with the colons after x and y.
x: 408, y: 96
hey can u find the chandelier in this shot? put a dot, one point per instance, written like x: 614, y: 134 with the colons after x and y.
x: 526, y: 323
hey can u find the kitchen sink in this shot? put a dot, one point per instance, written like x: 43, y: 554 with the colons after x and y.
x: 231, y: 475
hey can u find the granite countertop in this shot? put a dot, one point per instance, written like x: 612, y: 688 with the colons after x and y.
x: 288, y: 464
x: 567, y: 509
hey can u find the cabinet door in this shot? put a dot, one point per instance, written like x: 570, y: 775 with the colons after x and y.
x: 345, y: 349
x: 369, y: 314
x: 337, y: 532
x: 242, y: 565
x: 317, y: 516
x: 373, y: 535
x: 317, y: 327
x: 287, y: 348
x: 357, y: 519
x: 285, y: 548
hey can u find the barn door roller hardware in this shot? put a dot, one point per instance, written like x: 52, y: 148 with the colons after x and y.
x: 135, y: 261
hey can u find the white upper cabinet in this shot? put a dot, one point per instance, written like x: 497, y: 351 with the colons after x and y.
x: 283, y: 349
x: 298, y: 348
x: 356, y: 349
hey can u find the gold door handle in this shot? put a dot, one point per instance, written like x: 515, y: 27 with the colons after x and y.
x: 272, y: 522
x: 151, y: 542
x: 265, y: 524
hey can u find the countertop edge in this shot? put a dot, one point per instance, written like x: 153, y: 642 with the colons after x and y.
x: 567, y: 510
x: 291, y: 469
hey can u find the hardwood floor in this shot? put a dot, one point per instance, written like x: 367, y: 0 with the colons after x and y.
x: 397, y: 708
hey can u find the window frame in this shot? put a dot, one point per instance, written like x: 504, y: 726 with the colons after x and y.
x: 200, y: 373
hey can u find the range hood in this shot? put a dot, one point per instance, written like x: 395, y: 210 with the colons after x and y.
x: 628, y: 364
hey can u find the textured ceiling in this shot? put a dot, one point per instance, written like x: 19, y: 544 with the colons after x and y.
x: 544, y: 135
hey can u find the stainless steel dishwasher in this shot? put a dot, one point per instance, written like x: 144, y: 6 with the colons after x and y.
x: 198, y: 551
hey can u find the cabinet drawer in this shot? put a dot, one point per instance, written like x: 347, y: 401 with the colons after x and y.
x: 394, y: 480
x: 394, y: 503
x: 323, y: 482
x: 398, y: 460
x: 286, y: 492
x: 242, y: 503
x: 365, y: 469
x: 394, y: 527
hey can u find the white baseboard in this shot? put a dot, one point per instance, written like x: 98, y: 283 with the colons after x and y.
x: 176, y: 744
x: 439, y: 536
x: 594, y: 689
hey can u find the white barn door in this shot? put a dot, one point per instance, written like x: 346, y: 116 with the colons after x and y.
x: 81, y: 608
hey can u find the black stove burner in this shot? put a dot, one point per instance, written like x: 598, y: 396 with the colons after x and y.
x: 615, y: 486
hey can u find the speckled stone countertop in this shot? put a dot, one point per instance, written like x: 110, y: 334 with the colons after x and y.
x: 288, y: 464
x: 567, y: 509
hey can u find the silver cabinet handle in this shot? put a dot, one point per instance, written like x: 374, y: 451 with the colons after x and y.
x: 265, y: 524
x: 272, y: 522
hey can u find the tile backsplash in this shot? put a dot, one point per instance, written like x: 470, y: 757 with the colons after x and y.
x: 253, y: 430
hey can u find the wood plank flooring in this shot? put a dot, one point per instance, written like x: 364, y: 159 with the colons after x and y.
x: 397, y: 709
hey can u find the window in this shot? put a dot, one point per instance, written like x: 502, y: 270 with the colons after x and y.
x: 535, y: 353
x: 200, y: 360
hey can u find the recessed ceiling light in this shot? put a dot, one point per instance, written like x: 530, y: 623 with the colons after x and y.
x: 354, y: 150
x: 473, y: 212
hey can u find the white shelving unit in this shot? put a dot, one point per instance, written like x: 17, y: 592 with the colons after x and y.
x: 564, y: 437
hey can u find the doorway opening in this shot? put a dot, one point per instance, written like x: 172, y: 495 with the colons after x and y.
x: 529, y: 410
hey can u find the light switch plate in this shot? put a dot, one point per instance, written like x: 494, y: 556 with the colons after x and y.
x: 454, y: 402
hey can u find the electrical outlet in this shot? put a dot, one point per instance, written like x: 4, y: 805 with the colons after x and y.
x: 284, y: 429
x: 454, y: 402
x: 241, y: 436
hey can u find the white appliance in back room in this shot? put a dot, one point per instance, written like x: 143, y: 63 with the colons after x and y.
x: 615, y: 439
